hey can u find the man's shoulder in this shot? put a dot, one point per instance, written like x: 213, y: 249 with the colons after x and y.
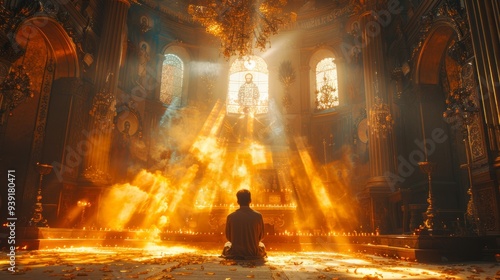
x: 246, y: 210
x: 255, y: 212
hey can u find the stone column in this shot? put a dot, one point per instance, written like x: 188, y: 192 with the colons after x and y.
x: 304, y: 99
x: 485, y: 33
x: 96, y: 168
x: 111, y: 42
x: 484, y: 27
x: 159, y: 66
x: 378, y: 186
x: 373, y: 62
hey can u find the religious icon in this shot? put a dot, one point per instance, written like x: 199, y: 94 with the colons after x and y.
x: 144, y: 58
x: 127, y: 123
x: 145, y: 24
x: 248, y: 94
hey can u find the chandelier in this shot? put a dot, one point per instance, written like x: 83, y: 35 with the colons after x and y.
x: 241, y: 25
x: 15, y: 88
x: 324, y: 96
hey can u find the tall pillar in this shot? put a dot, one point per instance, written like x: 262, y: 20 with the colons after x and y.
x: 378, y: 187
x: 102, y: 110
x: 373, y: 62
x: 305, y: 99
x: 160, y: 58
x: 111, y: 43
x: 484, y: 22
x: 485, y: 29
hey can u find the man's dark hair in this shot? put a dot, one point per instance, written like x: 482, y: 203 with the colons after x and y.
x: 244, y: 197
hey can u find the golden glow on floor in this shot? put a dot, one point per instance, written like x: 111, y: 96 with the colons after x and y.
x: 179, y: 262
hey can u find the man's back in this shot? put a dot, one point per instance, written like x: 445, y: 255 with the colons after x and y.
x: 245, y: 229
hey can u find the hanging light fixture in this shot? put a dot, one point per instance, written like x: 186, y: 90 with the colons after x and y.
x: 16, y: 87
x: 241, y: 25
x: 324, y: 96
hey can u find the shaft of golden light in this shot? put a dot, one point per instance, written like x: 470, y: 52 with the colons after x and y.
x: 122, y: 202
x: 250, y: 119
x: 206, y: 146
x: 317, y: 185
x: 183, y: 185
x: 259, y: 154
x: 213, y: 121
x: 218, y: 122
x: 158, y: 188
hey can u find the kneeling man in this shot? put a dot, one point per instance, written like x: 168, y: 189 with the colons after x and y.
x: 244, y: 231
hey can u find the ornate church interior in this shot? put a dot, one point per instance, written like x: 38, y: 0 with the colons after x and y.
x: 342, y: 117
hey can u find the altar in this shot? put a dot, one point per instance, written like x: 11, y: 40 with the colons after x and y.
x: 277, y: 218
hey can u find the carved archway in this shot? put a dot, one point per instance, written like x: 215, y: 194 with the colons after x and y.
x: 434, y: 72
x: 58, y: 42
x: 51, y: 56
x: 432, y: 52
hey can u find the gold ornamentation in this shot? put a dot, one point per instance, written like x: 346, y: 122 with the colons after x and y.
x: 381, y: 120
x: 461, y: 108
x: 103, y: 107
x: 95, y: 175
x: 397, y: 76
x: 287, y: 77
x: 428, y: 167
x: 37, y: 219
x: 16, y: 86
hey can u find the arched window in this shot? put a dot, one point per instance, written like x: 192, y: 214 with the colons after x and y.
x: 172, y: 76
x: 248, y: 86
x: 327, y: 95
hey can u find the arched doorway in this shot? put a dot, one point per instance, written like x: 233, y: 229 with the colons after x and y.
x: 28, y: 134
x: 437, y: 73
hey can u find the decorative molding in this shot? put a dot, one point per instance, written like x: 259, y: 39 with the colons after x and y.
x: 80, y: 92
x: 103, y: 107
x: 95, y: 175
x: 316, y: 20
x: 458, y: 52
x: 448, y: 11
x: 39, y: 131
x: 380, y: 121
x: 487, y: 208
x: 476, y: 140
x: 287, y: 77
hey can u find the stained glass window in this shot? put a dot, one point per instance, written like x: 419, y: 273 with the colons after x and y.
x: 327, y: 95
x: 248, y: 86
x: 172, y: 75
